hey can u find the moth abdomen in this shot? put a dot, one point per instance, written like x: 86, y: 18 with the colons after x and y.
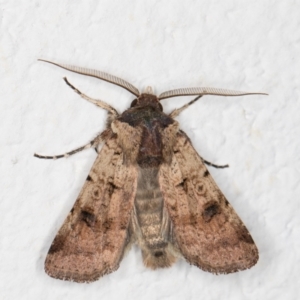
x: 148, y: 201
x: 153, y: 229
x: 158, y: 258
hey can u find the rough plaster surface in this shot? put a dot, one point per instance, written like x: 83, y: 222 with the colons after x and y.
x: 242, y: 45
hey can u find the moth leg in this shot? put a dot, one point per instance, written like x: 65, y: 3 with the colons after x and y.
x: 177, y: 111
x: 215, y: 166
x: 97, y: 102
x: 95, y: 142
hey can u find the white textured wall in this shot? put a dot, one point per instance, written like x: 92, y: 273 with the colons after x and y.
x: 242, y: 45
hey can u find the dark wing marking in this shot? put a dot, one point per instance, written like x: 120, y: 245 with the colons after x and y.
x: 208, y: 231
x: 91, y: 241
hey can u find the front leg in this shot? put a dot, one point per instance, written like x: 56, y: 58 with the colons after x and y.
x: 94, y: 143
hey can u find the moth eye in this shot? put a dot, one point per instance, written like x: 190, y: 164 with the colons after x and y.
x: 210, y: 211
x: 160, y: 106
x: 133, y: 103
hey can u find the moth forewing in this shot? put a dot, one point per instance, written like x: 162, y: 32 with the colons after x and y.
x: 148, y: 185
x: 208, y: 232
x: 92, y: 239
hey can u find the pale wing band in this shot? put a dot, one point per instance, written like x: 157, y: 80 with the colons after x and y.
x: 203, y: 91
x: 100, y: 75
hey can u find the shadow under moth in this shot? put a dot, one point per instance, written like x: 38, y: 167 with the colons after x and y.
x: 147, y: 186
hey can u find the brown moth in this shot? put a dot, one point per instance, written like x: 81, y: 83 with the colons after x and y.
x: 148, y: 186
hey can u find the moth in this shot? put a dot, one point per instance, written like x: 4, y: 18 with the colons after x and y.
x: 147, y: 186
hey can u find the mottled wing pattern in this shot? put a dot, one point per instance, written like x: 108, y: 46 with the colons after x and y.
x: 208, y: 231
x: 92, y: 239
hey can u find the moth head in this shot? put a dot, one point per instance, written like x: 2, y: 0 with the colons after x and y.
x: 147, y: 99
